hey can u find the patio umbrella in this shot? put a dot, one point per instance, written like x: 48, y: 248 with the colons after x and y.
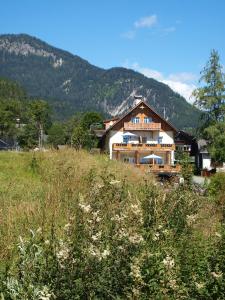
x: 129, y: 134
x: 152, y: 156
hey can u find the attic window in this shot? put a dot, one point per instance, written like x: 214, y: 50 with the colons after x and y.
x: 135, y: 120
x: 147, y: 120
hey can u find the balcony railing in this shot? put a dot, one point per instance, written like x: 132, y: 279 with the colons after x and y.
x: 160, y: 168
x: 150, y: 147
x: 142, y: 126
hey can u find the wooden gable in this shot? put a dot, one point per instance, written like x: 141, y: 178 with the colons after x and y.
x: 143, y: 110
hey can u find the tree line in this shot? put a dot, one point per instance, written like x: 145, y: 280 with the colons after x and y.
x: 28, y: 123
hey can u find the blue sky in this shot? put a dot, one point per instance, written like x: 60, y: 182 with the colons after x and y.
x: 169, y: 40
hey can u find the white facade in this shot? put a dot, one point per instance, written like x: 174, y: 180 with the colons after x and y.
x: 206, y: 161
x: 152, y: 137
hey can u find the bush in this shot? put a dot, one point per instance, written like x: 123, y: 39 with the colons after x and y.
x: 216, y: 187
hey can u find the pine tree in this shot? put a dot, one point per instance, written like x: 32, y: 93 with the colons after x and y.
x: 211, y: 100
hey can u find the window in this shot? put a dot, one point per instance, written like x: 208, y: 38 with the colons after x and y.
x: 135, y: 120
x: 144, y: 139
x: 160, y: 138
x: 147, y: 120
x: 126, y: 139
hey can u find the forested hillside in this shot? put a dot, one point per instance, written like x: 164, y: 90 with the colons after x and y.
x: 71, y: 84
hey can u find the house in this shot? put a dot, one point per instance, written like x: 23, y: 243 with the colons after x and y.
x: 204, y: 159
x: 143, y: 138
x: 187, y: 143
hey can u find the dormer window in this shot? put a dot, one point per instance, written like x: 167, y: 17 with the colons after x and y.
x: 135, y: 120
x: 147, y: 120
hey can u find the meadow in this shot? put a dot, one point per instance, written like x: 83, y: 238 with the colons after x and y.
x: 79, y: 226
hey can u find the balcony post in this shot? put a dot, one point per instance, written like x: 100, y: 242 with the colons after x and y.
x: 117, y: 155
x: 137, y: 157
x: 168, y: 157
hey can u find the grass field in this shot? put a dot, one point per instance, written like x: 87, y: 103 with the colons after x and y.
x: 102, y: 229
x: 37, y: 189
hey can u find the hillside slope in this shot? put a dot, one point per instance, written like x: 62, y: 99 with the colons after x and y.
x: 72, y: 84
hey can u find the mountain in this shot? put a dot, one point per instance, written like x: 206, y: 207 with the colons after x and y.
x: 70, y: 83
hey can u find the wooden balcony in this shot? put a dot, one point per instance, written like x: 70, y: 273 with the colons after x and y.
x: 143, y: 147
x: 172, y: 169
x: 142, y: 126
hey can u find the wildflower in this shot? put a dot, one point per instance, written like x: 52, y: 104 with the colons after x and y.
x: 199, y: 285
x: 67, y: 227
x: 105, y: 253
x: 96, y: 236
x: 114, y: 182
x: 85, y: 208
x: 45, y: 294
x: 39, y: 230
x: 165, y: 231
x: 94, y: 251
x: 173, y: 283
x: 156, y: 236
x: 98, y: 219
x: 217, y: 275
x: 191, y: 219
x: 217, y: 234
x: 135, y: 209
x: 117, y: 218
x: 168, y: 262
x: 136, y: 239
x: 63, y: 252
x: 136, y: 271
x: 95, y: 213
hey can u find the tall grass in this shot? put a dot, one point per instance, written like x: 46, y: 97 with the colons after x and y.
x: 91, y: 228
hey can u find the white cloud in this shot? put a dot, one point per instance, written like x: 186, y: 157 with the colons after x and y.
x: 184, y: 76
x: 182, y: 83
x: 146, y: 22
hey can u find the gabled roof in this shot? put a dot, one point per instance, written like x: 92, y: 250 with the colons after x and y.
x: 133, y: 108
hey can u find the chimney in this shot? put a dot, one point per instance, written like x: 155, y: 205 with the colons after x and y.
x: 138, y: 99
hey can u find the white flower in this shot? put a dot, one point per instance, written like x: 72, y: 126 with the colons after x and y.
x: 135, y: 209
x: 191, y: 219
x: 45, y: 294
x: 114, y: 182
x: 98, y: 219
x: 63, y: 252
x: 122, y: 233
x: 217, y: 234
x: 199, y: 285
x: 85, y: 208
x: 136, y: 239
x: 168, y: 262
x: 95, y: 237
x: 173, y: 283
x: 105, y: 253
x: 119, y: 218
x: 39, y: 230
x: 156, y: 236
x: 217, y: 275
x: 67, y: 226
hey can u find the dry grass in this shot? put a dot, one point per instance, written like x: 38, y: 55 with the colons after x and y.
x: 42, y: 188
